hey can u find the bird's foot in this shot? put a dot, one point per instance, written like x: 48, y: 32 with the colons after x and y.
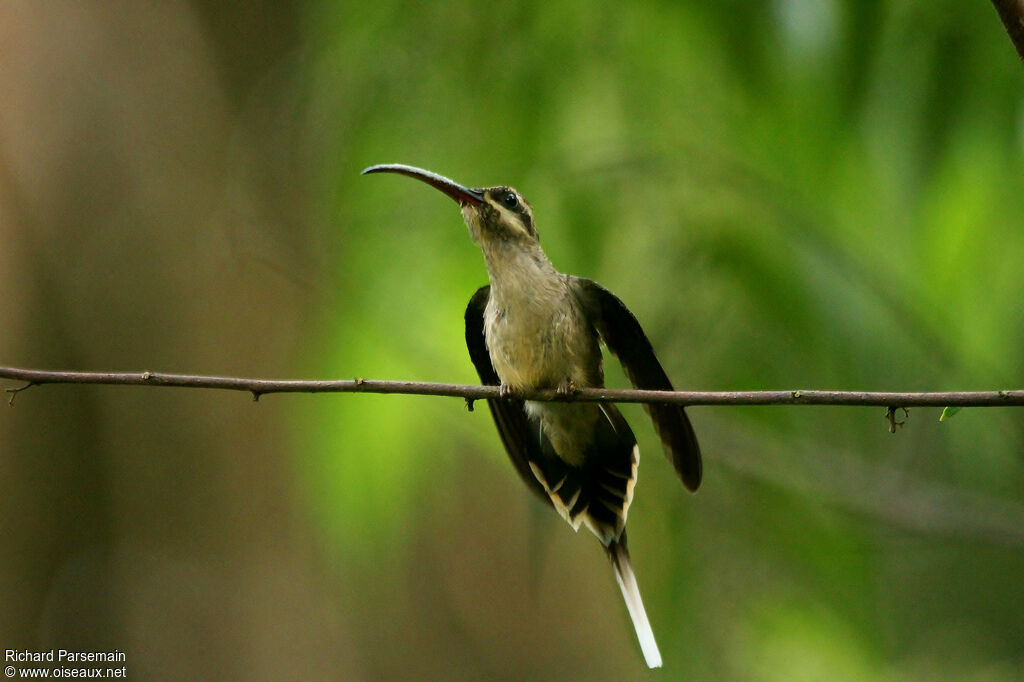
x: 566, y: 388
x: 506, y: 392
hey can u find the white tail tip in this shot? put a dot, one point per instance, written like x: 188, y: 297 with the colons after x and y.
x: 631, y: 593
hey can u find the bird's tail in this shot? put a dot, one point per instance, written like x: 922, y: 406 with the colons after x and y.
x: 619, y: 556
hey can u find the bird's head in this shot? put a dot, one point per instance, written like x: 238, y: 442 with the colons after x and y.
x: 495, y: 215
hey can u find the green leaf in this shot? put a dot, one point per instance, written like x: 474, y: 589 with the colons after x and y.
x: 948, y: 412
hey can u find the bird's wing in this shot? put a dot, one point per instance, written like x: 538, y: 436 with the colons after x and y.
x: 509, y: 415
x: 623, y: 335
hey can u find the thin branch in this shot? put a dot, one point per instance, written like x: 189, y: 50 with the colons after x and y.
x: 259, y: 387
x: 1012, y: 14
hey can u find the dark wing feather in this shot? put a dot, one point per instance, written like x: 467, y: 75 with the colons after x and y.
x: 626, y: 339
x: 514, y: 426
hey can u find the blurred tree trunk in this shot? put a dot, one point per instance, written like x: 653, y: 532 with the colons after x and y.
x: 135, y: 232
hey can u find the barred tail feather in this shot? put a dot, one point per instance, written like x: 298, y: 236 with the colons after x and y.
x: 619, y: 556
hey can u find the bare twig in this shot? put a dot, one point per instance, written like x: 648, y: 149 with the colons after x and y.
x: 890, y: 416
x: 15, y: 391
x: 259, y: 387
x: 1012, y: 14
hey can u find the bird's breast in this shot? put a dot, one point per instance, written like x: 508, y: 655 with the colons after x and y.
x: 538, y: 339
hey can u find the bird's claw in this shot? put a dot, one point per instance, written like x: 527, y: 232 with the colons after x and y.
x: 566, y: 388
x: 505, y: 391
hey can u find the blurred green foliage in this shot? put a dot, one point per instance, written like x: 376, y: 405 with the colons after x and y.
x: 788, y: 194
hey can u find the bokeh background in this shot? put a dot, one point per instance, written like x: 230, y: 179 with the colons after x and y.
x: 788, y: 194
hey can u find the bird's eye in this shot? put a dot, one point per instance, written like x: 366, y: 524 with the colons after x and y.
x: 510, y: 200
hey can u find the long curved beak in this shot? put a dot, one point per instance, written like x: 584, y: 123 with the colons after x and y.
x: 463, y: 195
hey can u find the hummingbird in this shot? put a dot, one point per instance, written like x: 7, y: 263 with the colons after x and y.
x: 534, y: 327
